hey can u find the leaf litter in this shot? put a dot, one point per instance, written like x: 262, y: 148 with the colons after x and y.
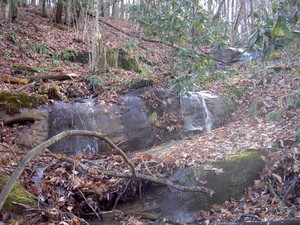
x: 64, y: 185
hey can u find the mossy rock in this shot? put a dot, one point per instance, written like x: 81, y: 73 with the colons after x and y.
x: 230, y: 105
x: 13, y: 102
x: 52, y: 90
x: 70, y: 55
x: 137, y: 83
x: 23, y: 69
x: 229, y: 179
x: 118, y: 58
x: 126, y: 62
x: 18, y: 195
x: 237, y: 173
x: 109, y: 58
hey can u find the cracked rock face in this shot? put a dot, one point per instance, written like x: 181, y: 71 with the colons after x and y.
x: 142, y: 120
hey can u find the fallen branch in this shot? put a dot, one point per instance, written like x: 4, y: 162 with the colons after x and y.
x: 11, y: 150
x: 51, y: 77
x: 91, y: 207
x: 291, y: 187
x: 146, y: 178
x: 22, y: 164
x: 133, y: 35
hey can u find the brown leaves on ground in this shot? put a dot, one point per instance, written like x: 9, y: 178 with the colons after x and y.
x: 66, y: 186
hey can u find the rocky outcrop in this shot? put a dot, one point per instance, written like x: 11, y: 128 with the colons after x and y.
x: 144, y: 118
x: 228, y: 178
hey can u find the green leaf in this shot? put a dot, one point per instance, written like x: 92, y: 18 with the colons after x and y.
x: 277, y: 29
x: 287, y: 31
x: 253, y: 38
x: 297, y: 135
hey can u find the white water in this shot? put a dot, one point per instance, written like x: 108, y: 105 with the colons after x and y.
x: 208, y: 119
x: 195, y: 113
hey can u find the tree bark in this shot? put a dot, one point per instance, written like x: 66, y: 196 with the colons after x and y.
x: 122, y: 10
x: 43, y: 8
x: 238, y: 20
x: 11, y: 11
x: 58, y: 13
x: 218, y: 13
x: 101, y: 2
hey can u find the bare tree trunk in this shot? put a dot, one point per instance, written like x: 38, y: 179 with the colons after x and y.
x: 11, y: 11
x: 115, y: 10
x: 107, y: 9
x: 193, y: 26
x: 96, y: 43
x: 102, y: 8
x: 238, y: 19
x: 122, y: 10
x: 43, y: 8
x: 228, y: 10
x: 251, y: 11
x: 218, y: 13
x: 58, y: 13
x: 209, y: 5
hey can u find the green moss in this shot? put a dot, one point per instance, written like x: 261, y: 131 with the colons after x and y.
x: 52, y: 90
x: 13, y: 102
x: 250, y: 155
x: 114, y: 58
x: 236, y: 173
x: 108, y: 59
x: 70, y: 54
x: 137, y: 83
x: 18, y: 194
x: 126, y: 62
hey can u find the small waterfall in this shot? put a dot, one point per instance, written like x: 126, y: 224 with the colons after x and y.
x: 195, y: 113
x: 208, y: 119
x: 75, y: 116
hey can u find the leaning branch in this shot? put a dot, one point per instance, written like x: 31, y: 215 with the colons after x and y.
x: 21, y: 166
x: 146, y: 178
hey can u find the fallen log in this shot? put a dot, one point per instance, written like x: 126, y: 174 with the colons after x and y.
x: 51, y: 77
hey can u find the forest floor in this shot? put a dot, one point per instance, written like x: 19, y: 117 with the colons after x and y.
x: 37, y: 43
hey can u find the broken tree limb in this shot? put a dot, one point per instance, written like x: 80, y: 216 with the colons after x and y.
x: 51, y: 77
x: 22, y: 164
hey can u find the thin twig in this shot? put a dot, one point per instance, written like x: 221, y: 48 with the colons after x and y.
x: 87, y: 202
x: 249, y: 216
x: 291, y: 187
x: 120, y: 195
x: 11, y: 150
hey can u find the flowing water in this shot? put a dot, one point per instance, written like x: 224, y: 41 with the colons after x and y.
x: 195, y: 113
